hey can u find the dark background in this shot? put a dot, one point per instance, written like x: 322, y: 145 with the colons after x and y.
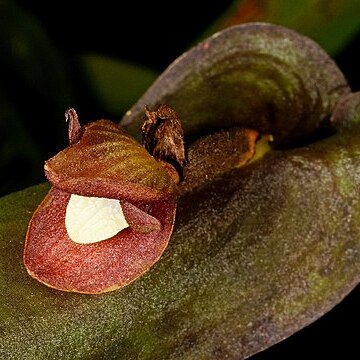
x: 153, y: 35
x: 147, y: 33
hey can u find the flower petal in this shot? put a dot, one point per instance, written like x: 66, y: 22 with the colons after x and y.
x: 139, y: 219
x: 107, y: 162
x: 52, y: 258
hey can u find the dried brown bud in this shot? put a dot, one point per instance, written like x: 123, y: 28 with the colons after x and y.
x: 163, y: 136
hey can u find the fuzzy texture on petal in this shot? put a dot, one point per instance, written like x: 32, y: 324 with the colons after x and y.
x: 107, y: 162
x: 52, y: 258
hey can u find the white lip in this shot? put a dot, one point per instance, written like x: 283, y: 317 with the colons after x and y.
x: 91, y: 219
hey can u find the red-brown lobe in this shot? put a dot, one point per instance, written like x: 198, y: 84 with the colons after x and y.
x: 107, y: 162
x: 138, y: 219
x: 54, y: 259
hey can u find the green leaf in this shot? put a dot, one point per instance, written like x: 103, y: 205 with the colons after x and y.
x: 115, y: 83
x: 346, y: 115
x: 274, y: 247
x: 330, y: 23
x: 260, y: 76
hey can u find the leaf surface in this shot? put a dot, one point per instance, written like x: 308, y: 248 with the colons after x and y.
x: 260, y: 76
x: 255, y: 256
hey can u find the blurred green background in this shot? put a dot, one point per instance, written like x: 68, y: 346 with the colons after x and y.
x: 100, y: 57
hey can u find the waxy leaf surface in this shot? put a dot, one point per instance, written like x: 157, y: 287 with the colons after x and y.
x: 257, y: 75
x: 254, y: 256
